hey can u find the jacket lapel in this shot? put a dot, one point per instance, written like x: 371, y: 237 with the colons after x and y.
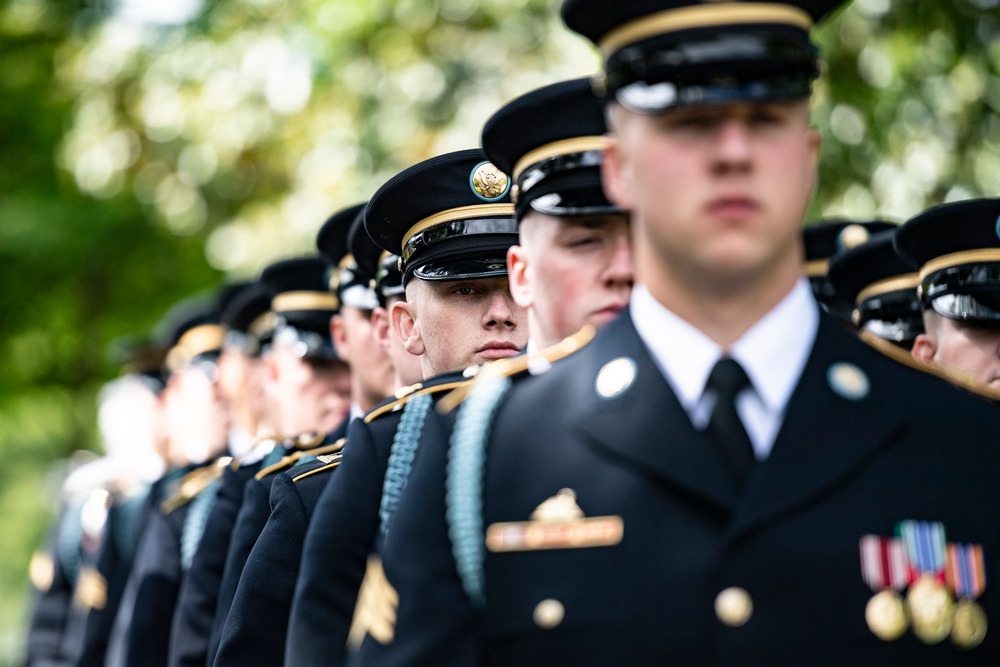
x: 824, y: 436
x: 645, y: 425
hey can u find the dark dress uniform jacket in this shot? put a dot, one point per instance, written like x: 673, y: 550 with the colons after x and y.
x: 251, y: 518
x: 340, y: 537
x: 52, y: 607
x: 158, y: 574
x: 912, y: 447
x: 126, y: 521
x: 254, y: 633
x: 199, y: 592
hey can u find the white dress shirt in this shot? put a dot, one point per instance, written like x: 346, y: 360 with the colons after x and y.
x: 773, y: 352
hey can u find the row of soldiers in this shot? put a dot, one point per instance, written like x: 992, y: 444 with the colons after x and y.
x: 586, y: 395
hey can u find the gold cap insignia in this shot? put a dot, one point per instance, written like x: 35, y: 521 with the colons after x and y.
x: 852, y: 236
x: 488, y: 182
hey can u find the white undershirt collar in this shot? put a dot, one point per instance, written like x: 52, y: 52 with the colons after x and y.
x: 773, y: 352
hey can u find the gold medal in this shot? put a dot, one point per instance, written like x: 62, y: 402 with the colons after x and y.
x: 929, y: 606
x: 886, y: 616
x: 968, y: 627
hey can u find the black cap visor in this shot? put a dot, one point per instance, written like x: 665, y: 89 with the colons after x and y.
x: 902, y: 331
x: 467, y: 248
x: 305, y: 344
x: 359, y: 296
x: 969, y: 292
x: 464, y: 268
x: 565, y: 193
x: 894, y: 316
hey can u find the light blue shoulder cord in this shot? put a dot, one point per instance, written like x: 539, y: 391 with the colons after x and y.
x: 464, y: 484
x: 68, y: 541
x: 404, y: 449
x: 194, y: 522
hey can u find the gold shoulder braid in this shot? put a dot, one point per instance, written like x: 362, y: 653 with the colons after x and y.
x: 330, y: 462
x: 194, y: 483
x: 400, y: 402
x: 291, y: 459
x: 519, y: 364
x: 952, y: 375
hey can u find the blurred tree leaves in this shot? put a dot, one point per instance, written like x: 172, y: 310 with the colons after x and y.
x: 140, y: 163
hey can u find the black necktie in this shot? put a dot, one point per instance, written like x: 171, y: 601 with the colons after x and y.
x: 727, y: 379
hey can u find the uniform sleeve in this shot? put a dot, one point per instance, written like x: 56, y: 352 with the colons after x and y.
x: 435, y: 622
x: 253, y: 515
x: 254, y: 633
x: 158, y: 576
x: 199, y: 594
x: 341, y: 532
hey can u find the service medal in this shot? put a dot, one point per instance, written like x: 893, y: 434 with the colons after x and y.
x: 886, y: 616
x: 929, y: 606
x: 966, y: 575
x: 928, y: 602
x: 885, y: 569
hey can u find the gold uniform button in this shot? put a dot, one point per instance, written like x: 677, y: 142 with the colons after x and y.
x: 549, y: 614
x: 733, y: 606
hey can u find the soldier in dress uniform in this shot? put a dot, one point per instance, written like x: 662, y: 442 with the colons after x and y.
x: 453, y: 234
x: 254, y: 631
x: 308, y: 385
x: 825, y: 240
x: 249, y: 324
x: 196, y: 427
x: 573, y: 261
x: 351, y: 329
x: 882, y: 285
x: 723, y: 475
x: 129, y: 419
x: 388, y: 286
x: 68, y: 577
x: 957, y: 247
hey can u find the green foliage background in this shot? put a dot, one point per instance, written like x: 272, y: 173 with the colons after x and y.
x: 141, y: 163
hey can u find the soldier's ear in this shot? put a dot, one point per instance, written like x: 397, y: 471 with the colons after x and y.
x: 614, y: 167
x: 924, y: 348
x: 517, y: 276
x: 404, y: 322
x: 338, y: 336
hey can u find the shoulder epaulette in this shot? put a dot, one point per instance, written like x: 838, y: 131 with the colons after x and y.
x: 290, y: 460
x: 194, y: 483
x: 516, y: 365
x: 951, y: 375
x: 329, y: 461
x: 403, y: 400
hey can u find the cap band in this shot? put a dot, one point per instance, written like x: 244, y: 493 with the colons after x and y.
x: 901, y: 282
x: 262, y: 324
x: 202, y: 339
x: 460, y: 213
x: 290, y: 301
x: 197, y: 340
x: 559, y: 149
x: 958, y: 258
x: 703, y: 16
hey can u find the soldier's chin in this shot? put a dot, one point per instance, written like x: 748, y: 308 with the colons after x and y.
x: 604, y: 316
